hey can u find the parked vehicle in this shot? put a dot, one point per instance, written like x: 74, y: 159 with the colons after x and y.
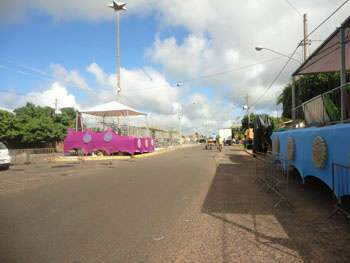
x: 226, y: 135
x: 5, y: 158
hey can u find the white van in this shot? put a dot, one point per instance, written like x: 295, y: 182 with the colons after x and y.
x: 5, y: 158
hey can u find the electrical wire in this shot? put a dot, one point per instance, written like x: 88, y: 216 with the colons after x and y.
x: 295, y: 50
x: 327, y: 18
x: 293, y: 7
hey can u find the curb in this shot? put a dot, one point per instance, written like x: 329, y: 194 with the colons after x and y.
x: 106, y: 158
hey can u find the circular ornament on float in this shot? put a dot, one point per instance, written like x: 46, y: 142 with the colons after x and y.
x: 319, y: 152
x: 139, y: 143
x: 290, y: 148
x: 107, y: 137
x: 276, y: 145
x: 87, y: 138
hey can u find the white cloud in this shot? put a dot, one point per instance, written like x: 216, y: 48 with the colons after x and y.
x: 49, y: 96
x: 69, y: 77
x: 146, y: 89
x: 100, y: 76
x: 8, y: 99
x: 221, y: 37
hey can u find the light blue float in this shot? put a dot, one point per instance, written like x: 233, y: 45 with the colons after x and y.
x: 337, y: 139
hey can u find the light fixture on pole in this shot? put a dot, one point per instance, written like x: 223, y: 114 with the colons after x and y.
x: 117, y: 7
x: 260, y: 48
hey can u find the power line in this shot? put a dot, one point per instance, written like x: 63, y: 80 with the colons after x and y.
x: 293, y: 7
x: 206, y: 76
x: 276, y: 78
x: 36, y: 73
x: 295, y: 50
x: 327, y: 18
x: 230, y: 70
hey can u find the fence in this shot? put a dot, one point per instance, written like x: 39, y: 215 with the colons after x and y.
x: 27, y: 156
x: 330, y: 107
x: 340, y: 185
x: 270, y: 172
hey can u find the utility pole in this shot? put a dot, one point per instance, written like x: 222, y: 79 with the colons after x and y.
x: 179, y: 115
x: 117, y: 7
x: 248, y: 109
x: 306, y: 40
x: 342, y: 68
x: 118, y: 56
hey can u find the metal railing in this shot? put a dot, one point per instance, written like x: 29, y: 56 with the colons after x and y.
x: 328, y: 108
x: 269, y: 171
x: 340, y: 186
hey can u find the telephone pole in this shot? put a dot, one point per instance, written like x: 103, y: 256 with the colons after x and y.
x: 247, y: 108
x: 306, y: 40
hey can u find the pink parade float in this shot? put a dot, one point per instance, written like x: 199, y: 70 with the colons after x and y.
x: 107, y: 142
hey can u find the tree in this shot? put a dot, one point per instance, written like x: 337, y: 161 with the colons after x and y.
x: 244, y: 121
x: 307, y: 87
x: 6, y: 125
x: 34, y: 125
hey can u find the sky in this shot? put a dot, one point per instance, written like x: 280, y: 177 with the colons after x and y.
x: 193, y: 57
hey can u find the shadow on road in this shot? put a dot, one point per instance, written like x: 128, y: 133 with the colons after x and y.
x: 251, y: 223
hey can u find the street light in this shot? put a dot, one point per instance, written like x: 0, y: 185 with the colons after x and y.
x: 117, y: 7
x: 180, y: 113
x: 260, y: 48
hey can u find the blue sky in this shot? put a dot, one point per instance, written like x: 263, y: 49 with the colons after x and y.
x: 67, y: 50
x: 39, y: 41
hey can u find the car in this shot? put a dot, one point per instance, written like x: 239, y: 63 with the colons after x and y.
x: 202, y: 140
x: 5, y: 158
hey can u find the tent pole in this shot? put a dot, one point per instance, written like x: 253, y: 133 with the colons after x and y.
x: 76, y: 120
x: 103, y: 122
x: 127, y: 119
x: 147, y: 126
x: 342, y: 69
x: 81, y: 122
x: 293, y: 100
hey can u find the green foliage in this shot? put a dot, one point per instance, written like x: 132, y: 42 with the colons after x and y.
x: 6, y: 125
x: 245, y: 124
x: 307, y: 87
x: 274, y: 121
x: 32, y: 125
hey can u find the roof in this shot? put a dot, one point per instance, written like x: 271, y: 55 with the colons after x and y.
x: 112, y: 109
x: 326, y: 58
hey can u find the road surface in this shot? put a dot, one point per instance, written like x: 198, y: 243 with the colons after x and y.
x: 188, y: 205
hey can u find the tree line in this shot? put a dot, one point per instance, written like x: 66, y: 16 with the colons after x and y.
x: 35, y: 126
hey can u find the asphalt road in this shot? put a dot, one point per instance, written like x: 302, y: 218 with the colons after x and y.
x: 97, y: 212
x: 188, y: 205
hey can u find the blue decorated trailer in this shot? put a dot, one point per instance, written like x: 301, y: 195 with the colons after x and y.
x: 318, y: 143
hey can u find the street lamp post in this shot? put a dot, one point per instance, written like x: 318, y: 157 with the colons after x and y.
x: 259, y: 48
x: 117, y: 7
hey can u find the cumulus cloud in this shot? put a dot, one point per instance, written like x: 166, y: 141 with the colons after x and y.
x: 224, y: 38
x: 219, y: 43
x: 69, y: 77
x: 56, y: 92
x: 145, y: 88
x: 8, y: 99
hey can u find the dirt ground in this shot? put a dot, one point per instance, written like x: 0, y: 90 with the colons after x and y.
x: 303, y: 232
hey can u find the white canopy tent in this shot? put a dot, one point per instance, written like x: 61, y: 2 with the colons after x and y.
x: 112, y: 109
x: 116, y: 115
